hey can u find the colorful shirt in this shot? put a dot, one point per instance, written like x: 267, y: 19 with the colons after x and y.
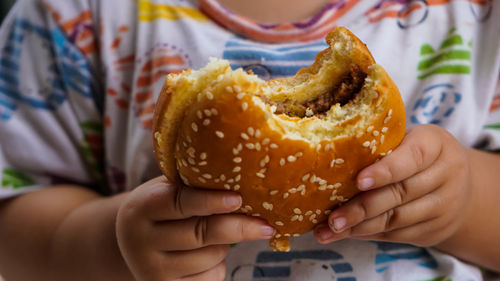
x: 79, y: 80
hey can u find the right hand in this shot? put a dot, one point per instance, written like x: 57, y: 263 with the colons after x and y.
x: 167, y: 232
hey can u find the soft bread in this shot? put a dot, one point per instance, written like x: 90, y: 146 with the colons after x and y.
x: 290, y: 147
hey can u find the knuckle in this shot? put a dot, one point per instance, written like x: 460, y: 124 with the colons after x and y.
x: 200, y: 231
x: 362, y: 207
x: 417, y: 154
x: 399, y: 192
x: 220, y: 271
x: 178, y: 204
x: 389, y: 218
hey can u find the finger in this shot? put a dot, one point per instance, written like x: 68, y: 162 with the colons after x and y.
x: 415, y: 212
x: 187, y: 263
x: 372, y: 203
x: 215, y: 273
x: 160, y: 200
x: 419, y: 149
x: 199, y: 232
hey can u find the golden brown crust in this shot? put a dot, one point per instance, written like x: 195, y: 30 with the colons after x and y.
x: 223, y: 140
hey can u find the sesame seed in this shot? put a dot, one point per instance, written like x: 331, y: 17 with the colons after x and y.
x: 191, y: 151
x: 297, y: 211
x: 244, y: 106
x: 237, y: 178
x: 384, y: 130
x: 262, y: 163
x: 273, y: 146
x: 390, y: 112
x: 214, y: 111
x: 199, y: 114
x: 291, y: 158
x: 292, y: 190
x: 257, y: 146
x: 240, y: 95
x: 267, y: 206
x: 273, y: 108
x: 332, y: 163
x: 203, y: 156
x: 327, y: 212
x: 184, y: 144
x: 279, y: 223
x: 374, y: 148
x: 250, y: 145
x: 313, y: 216
x: 312, y: 179
x: 301, y: 217
x: 216, y: 180
x: 202, y: 163
x: 322, y: 187
x: 229, y: 89
x: 207, y: 176
x: 318, y: 147
x: 262, y: 170
x: 296, y: 235
x: 382, y: 138
x: 227, y: 186
x: 376, y: 133
x: 369, y: 129
x: 265, y: 141
x: 273, y: 192
x: 202, y: 180
x: 322, y: 182
x: 299, y: 154
x: 294, y: 218
x: 206, y: 122
x: 277, y: 235
x: 207, y: 112
x: 236, y: 169
x: 285, y: 195
x: 237, y: 88
x: 260, y: 175
x: 366, y: 144
x: 235, y: 151
x: 250, y: 131
x: 219, y: 134
x: 256, y: 215
x: 194, y: 127
x: 305, y: 177
x: 330, y: 186
x: 267, y: 158
x: 339, y: 161
x: 191, y: 161
x: 282, y: 162
x: 239, y: 147
x: 287, y: 234
x: 308, y: 213
x: 209, y: 95
x: 257, y: 133
x: 315, y: 221
x: 237, y: 159
x: 327, y: 147
x: 244, y: 210
x: 184, y: 163
x: 244, y: 136
x: 337, y: 185
x: 318, y: 212
x: 188, y: 138
x: 230, y: 180
x: 301, y: 187
x: 196, y: 170
x: 222, y: 177
x: 236, y: 186
x: 389, y: 152
x: 386, y: 120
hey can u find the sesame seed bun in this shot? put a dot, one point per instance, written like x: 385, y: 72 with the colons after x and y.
x: 220, y: 128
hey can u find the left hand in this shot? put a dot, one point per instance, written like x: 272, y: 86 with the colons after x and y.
x: 418, y: 194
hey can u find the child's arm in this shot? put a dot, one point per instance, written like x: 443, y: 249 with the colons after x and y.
x: 163, y: 233
x: 431, y: 191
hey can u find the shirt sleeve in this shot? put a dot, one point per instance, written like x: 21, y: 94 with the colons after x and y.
x: 50, y: 108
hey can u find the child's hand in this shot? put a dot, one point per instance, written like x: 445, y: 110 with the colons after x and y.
x: 169, y: 233
x: 418, y: 194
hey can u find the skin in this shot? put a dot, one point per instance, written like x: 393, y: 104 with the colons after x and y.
x: 156, y: 232
x: 431, y: 192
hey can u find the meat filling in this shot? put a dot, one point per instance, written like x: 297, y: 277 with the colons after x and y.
x: 342, y: 93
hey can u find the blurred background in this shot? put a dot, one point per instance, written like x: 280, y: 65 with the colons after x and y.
x: 4, y: 8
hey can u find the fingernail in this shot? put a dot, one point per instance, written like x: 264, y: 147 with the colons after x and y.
x: 339, y: 223
x: 325, y: 233
x: 232, y: 201
x: 366, y: 183
x: 267, y: 231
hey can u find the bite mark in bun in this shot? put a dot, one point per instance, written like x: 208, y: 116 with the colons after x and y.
x: 291, y: 147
